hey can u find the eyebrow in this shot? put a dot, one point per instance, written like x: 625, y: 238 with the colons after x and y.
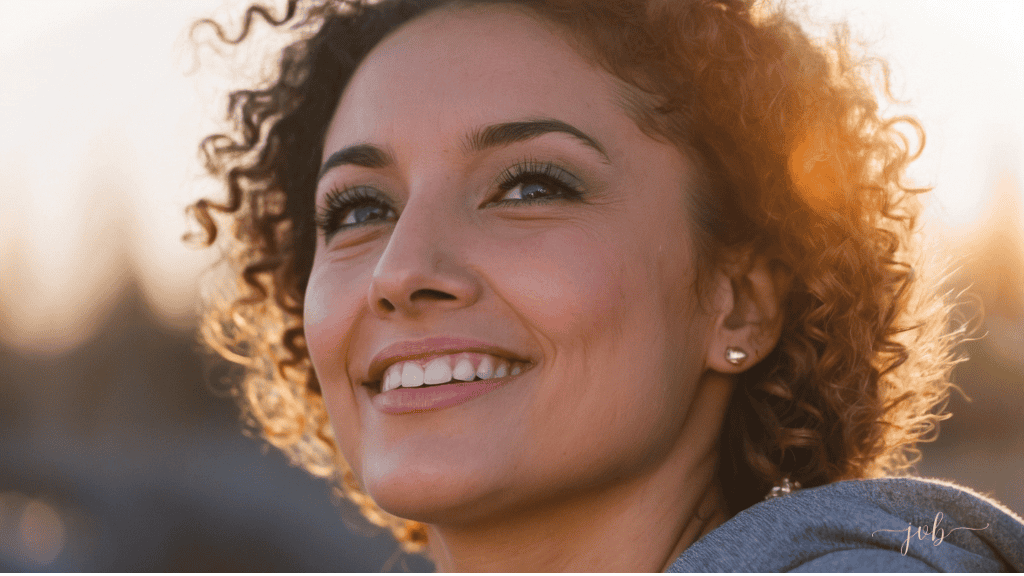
x: 493, y: 136
x: 511, y: 132
x: 365, y: 155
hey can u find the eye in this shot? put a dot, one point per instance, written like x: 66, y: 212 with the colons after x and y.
x: 531, y: 191
x: 351, y: 208
x: 533, y: 182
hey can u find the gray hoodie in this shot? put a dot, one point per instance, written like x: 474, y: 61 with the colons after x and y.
x: 886, y: 524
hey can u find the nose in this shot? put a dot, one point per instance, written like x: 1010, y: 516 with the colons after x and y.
x: 423, y: 267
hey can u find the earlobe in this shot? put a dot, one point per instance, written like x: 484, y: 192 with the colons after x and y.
x: 749, y: 322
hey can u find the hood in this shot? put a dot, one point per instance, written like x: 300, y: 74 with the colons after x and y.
x: 883, y: 524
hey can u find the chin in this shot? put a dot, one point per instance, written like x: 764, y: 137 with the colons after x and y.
x: 430, y: 493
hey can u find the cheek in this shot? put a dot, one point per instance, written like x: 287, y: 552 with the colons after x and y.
x: 564, y: 282
x: 581, y: 283
x: 614, y: 289
x: 618, y: 313
x: 329, y: 312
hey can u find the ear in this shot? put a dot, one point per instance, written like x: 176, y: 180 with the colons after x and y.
x: 748, y: 294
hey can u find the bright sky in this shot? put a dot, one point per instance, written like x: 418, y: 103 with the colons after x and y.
x: 98, y: 111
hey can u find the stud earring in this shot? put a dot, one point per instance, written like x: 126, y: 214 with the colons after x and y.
x: 735, y: 356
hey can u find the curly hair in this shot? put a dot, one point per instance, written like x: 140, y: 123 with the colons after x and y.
x: 798, y: 164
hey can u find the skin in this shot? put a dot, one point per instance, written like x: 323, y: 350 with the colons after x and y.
x: 602, y: 455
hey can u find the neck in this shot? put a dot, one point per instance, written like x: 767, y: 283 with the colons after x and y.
x: 623, y: 529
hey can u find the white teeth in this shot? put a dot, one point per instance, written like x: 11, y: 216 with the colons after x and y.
x: 464, y: 370
x: 438, y: 371
x: 393, y: 378
x: 486, y: 368
x: 412, y: 375
x: 502, y: 370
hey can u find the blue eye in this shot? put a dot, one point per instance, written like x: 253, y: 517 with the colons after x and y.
x: 531, y: 191
x: 364, y: 214
x: 533, y: 182
x: 353, y: 207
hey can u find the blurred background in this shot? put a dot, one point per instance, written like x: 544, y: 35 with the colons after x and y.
x: 114, y: 454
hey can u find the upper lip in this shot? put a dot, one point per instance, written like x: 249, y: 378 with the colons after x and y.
x: 433, y: 346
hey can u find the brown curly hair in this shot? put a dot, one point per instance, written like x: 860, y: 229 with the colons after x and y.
x: 797, y: 163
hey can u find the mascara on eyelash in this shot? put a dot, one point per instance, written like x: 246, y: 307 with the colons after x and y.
x: 568, y: 187
x: 517, y: 173
x: 337, y: 203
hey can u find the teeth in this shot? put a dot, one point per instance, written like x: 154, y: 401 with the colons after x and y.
x: 486, y: 368
x: 393, y: 378
x: 438, y: 371
x: 464, y: 370
x: 502, y: 370
x: 412, y: 375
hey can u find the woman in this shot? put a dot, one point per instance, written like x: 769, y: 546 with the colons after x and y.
x: 572, y: 286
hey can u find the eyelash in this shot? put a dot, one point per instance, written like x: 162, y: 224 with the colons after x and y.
x: 338, y: 204
x: 540, y: 172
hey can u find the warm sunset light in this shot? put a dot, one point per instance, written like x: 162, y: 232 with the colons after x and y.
x: 101, y: 110
x: 536, y: 372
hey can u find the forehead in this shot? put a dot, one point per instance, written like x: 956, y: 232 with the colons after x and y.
x: 455, y: 69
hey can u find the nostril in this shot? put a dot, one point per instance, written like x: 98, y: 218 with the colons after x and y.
x: 430, y: 294
x: 421, y: 296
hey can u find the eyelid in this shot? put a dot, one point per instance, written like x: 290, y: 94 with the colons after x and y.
x: 512, y: 176
x: 549, y: 169
x: 342, y: 199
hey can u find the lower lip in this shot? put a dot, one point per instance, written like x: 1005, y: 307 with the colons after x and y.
x: 428, y: 398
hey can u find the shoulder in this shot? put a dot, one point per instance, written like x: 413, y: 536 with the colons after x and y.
x: 890, y: 524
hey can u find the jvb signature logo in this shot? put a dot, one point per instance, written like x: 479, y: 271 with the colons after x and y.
x: 936, y: 533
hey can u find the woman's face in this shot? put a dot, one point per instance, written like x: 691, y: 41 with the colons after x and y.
x: 487, y: 199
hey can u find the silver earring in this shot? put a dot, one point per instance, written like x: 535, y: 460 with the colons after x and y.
x: 783, y: 487
x: 735, y: 356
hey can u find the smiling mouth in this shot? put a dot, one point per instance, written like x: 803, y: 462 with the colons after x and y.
x: 447, y: 369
